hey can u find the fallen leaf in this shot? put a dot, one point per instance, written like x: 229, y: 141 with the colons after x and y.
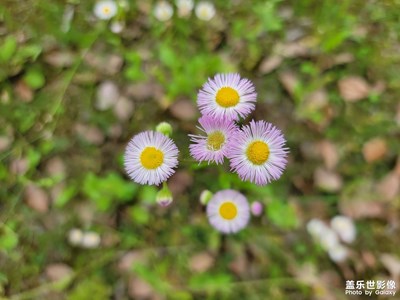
x: 123, y: 109
x: 389, y: 186
x: 58, y: 271
x: 107, y: 95
x: 36, y: 198
x: 375, y: 149
x: 5, y: 142
x: 59, y: 58
x: 353, y: 88
x: 139, y: 289
x: 184, y: 110
x: 128, y: 260
x: 23, y: 91
x: 201, y: 262
x: 55, y: 167
x: 19, y: 166
x: 289, y: 81
x: 358, y: 209
x: 269, y: 64
x: 327, y: 180
x: 91, y: 134
x: 329, y: 154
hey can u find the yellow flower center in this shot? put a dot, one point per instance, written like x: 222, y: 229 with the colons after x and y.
x: 257, y: 152
x: 228, y: 210
x: 106, y: 10
x: 215, y: 140
x: 227, y: 97
x: 151, y: 158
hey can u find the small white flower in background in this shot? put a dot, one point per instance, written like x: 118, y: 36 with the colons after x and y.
x: 163, y: 11
x: 75, y: 236
x: 338, y: 253
x: 90, y: 240
x: 184, y: 7
x: 328, y: 238
x: 205, y: 10
x: 316, y: 227
x: 205, y: 196
x: 345, y: 228
x: 105, y: 10
x: 256, y: 208
x: 116, y: 27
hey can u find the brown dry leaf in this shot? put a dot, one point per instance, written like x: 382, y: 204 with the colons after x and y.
x: 329, y: 154
x: 58, y: 271
x: 179, y: 182
x: 293, y: 49
x: 128, y: 260
x: 369, y: 259
x: 269, y: 64
x: 375, y: 149
x: 106, y: 64
x: 91, y: 134
x: 115, y: 131
x: 36, y: 198
x: 143, y: 91
x: 23, y: 91
x: 389, y: 186
x: 56, y: 191
x: 327, y: 180
x: 201, y: 262
x: 123, y: 109
x: 184, y: 110
x: 391, y: 263
x: 139, y: 289
x: 309, y: 150
x: 316, y: 100
x: 353, y: 88
x: 5, y: 142
x: 289, y: 81
x: 358, y: 209
x: 55, y: 167
x: 19, y: 166
x: 59, y: 59
x: 239, y: 265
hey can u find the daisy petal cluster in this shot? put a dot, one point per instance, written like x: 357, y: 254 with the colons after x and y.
x: 329, y: 237
x: 228, y: 211
x: 163, y: 11
x: 105, y: 10
x: 150, y: 158
x: 257, y: 151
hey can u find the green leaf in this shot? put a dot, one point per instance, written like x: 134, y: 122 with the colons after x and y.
x: 282, y: 214
x: 92, y: 288
x: 8, y: 49
x: 34, y: 78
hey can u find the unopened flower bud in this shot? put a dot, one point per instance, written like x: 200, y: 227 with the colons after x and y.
x: 165, y: 128
x: 164, y: 196
x: 205, y: 196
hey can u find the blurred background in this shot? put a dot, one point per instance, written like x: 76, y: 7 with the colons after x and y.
x: 77, y: 84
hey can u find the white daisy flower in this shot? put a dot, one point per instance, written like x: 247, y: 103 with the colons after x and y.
x: 205, y: 10
x: 227, y: 96
x: 163, y: 11
x: 228, y: 211
x: 316, y: 227
x: 345, y: 228
x: 75, y: 236
x: 150, y: 158
x: 105, y: 10
x: 338, y: 253
x: 90, y: 240
x: 328, y: 239
x: 184, y: 7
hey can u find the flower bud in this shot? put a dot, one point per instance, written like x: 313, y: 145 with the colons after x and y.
x: 165, y: 128
x: 205, y: 196
x: 164, y: 196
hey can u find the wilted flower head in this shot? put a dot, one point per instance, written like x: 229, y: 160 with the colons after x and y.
x: 228, y: 211
x: 205, y: 10
x: 150, y: 158
x: 338, y: 253
x: 345, y: 228
x: 163, y: 11
x: 256, y: 208
x: 258, y: 153
x: 105, y: 9
x: 205, y: 197
x: 164, y: 196
x: 184, y: 7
